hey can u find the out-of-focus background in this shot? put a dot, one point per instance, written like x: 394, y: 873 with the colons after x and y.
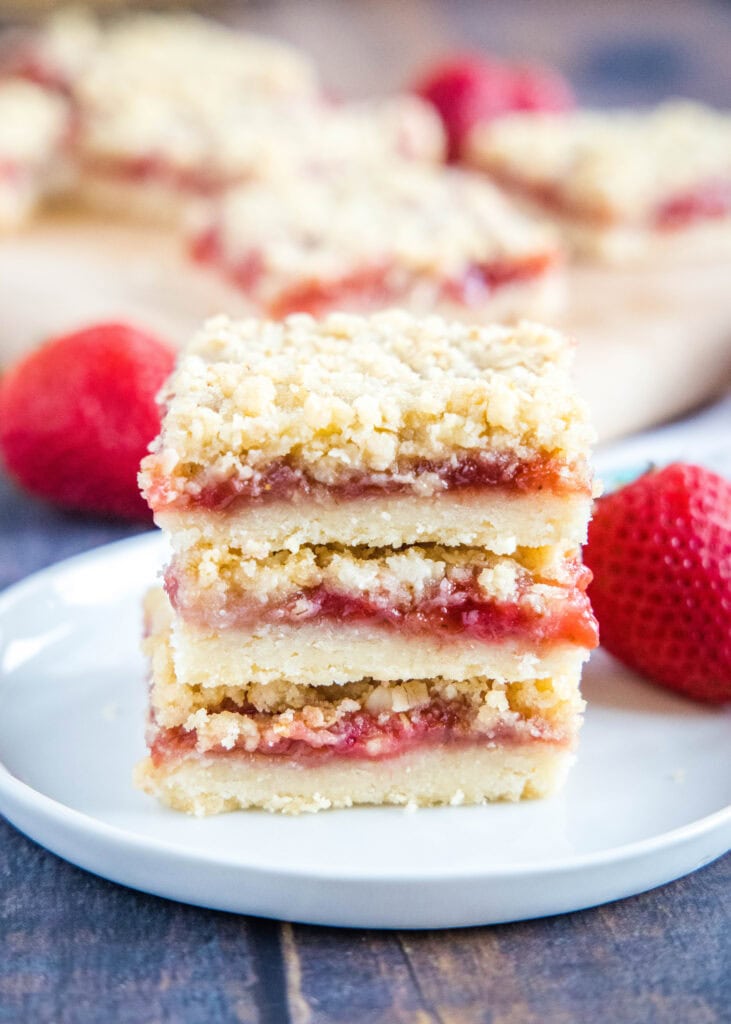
x: 613, y: 51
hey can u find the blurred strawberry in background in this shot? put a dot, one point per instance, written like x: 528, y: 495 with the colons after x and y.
x: 468, y: 89
x: 660, y: 551
x: 77, y: 415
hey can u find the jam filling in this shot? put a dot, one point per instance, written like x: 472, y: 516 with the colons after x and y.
x: 281, y: 481
x: 451, y: 611
x: 367, y: 289
x: 361, y: 735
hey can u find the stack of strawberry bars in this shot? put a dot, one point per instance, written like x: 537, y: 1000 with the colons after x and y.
x: 376, y: 593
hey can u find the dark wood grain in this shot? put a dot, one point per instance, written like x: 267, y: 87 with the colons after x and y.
x: 79, y: 950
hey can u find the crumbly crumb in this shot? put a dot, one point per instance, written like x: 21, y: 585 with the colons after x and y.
x: 401, y: 578
x: 608, y: 165
x: 349, y: 394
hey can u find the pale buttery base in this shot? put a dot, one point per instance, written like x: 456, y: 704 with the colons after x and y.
x: 498, y: 521
x: 327, y: 653
x: 431, y: 776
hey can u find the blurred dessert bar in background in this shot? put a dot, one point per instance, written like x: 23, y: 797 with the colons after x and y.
x: 621, y: 185
x: 376, y: 592
x: 400, y: 234
x: 174, y: 106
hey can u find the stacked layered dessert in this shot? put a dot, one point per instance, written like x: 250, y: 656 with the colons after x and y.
x: 375, y: 593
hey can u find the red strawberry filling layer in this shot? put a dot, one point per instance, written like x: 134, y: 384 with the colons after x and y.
x: 451, y: 610
x: 361, y: 735
x: 368, y: 288
x: 282, y: 482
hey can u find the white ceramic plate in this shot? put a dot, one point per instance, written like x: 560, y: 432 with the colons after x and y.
x: 647, y: 802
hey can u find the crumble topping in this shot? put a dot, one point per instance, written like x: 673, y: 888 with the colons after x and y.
x: 407, y: 219
x: 609, y: 166
x: 396, y: 578
x: 351, y: 394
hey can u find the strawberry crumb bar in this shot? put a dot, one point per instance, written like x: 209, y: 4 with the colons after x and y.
x: 422, y: 238
x: 159, y: 93
x: 34, y: 132
x: 622, y: 185
x: 375, y: 593
x: 173, y: 108
x: 278, y: 435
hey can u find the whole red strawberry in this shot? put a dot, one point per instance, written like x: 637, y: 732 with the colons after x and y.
x: 660, y: 551
x: 467, y: 89
x: 77, y: 415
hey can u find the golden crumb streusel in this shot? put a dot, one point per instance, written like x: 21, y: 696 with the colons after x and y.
x: 349, y: 394
x: 397, y: 578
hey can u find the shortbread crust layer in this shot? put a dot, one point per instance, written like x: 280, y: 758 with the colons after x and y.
x: 331, y: 653
x: 498, y: 521
x: 203, y: 785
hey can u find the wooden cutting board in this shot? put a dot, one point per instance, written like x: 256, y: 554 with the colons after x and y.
x: 651, y: 345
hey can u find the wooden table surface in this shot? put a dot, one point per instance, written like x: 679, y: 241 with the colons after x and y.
x: 76, y: 949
